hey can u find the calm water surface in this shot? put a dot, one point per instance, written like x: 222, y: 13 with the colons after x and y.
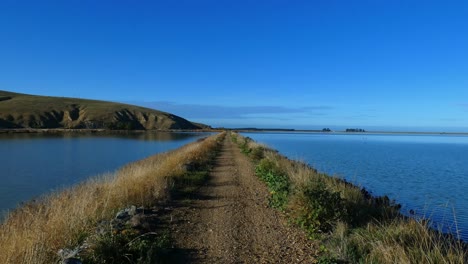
x: 33, y: 164
x: 426, y: 173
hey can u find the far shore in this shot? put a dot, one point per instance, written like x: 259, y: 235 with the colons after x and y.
x: 341, y: 132
x: 97, y: 130
x: 245, y: 130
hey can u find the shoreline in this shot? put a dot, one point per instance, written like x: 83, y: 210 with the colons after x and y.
x: 348, y: 133
x: 248, y: 130
x: 101, y: 130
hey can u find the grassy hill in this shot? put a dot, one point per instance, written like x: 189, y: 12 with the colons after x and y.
x: 31, y: 111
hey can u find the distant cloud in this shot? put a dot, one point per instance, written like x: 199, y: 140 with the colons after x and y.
x: 464, y: 105
x: 448, y: 119
x: 231, y: 112
x: 360, y: 116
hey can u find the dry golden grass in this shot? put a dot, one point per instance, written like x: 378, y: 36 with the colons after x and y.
x: 36, y: 231
x: 405, y: 241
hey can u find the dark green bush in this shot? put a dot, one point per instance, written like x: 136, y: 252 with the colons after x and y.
x: 257, y: 153
x: 128, y: 247
x: 320, y: 209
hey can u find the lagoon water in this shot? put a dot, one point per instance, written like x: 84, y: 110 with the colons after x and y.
x: 34, y: 164
x: 424, y: 173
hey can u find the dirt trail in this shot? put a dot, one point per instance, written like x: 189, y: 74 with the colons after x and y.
x: 228, y: 220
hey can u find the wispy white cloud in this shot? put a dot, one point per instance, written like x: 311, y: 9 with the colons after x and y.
x: 198, y: 111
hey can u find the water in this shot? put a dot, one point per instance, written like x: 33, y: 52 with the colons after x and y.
x: 424, y: 173
x: 33, y: 164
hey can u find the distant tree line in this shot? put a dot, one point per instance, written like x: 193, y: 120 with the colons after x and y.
x: 355, y: 130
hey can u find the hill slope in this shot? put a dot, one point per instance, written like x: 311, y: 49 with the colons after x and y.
x: 31, y: 111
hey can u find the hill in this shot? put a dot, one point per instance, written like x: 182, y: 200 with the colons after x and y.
x: 32, y: 111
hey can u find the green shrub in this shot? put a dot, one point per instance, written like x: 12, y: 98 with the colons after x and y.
x: 254, y: 151
x: 244, y: 146
x: 234, y: 138
x: 257, y: 153
x: 277, y: 182
x: 318, y: 209
x: 128, y: 247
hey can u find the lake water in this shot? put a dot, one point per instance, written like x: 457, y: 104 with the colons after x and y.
x: 33, y: 164
x: 425, y: 173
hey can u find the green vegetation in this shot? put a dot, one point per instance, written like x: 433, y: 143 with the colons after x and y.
x: 69, y: 219
x: 351, y: 225
x: 129, y: 247
x: 30, y: 111
x: 276, y: 180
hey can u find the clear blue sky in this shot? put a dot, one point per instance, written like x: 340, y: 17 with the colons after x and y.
x: 299, y: 64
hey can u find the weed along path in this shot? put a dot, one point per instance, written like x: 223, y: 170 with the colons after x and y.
x: 228, y: 220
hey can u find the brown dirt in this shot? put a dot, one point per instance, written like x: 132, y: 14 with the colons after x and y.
x: 228, y: 220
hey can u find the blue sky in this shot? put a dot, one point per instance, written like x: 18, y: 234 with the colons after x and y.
x: 298, y: 64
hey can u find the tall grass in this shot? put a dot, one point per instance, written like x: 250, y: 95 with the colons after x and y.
x: 352, y: 225
x: 35, y: 232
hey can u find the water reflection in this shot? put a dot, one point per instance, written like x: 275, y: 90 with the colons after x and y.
x: 133, y: 135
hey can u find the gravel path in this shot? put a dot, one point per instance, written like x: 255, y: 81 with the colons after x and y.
x: 228, y: 220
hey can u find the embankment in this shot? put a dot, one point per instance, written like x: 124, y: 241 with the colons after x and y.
x: 82, y: 219
x: 351, y: 225
x: 203, y: 203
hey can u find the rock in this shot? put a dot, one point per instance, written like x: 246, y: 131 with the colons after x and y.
x: 68, y: 256
x: 122, y: 214
x: 136, y: 221
x: 132, y: 210
x: 65, y: 253
x: 126, y: 213
x: 189, y: 166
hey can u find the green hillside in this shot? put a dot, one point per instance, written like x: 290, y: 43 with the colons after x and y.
x: 31, y: 111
